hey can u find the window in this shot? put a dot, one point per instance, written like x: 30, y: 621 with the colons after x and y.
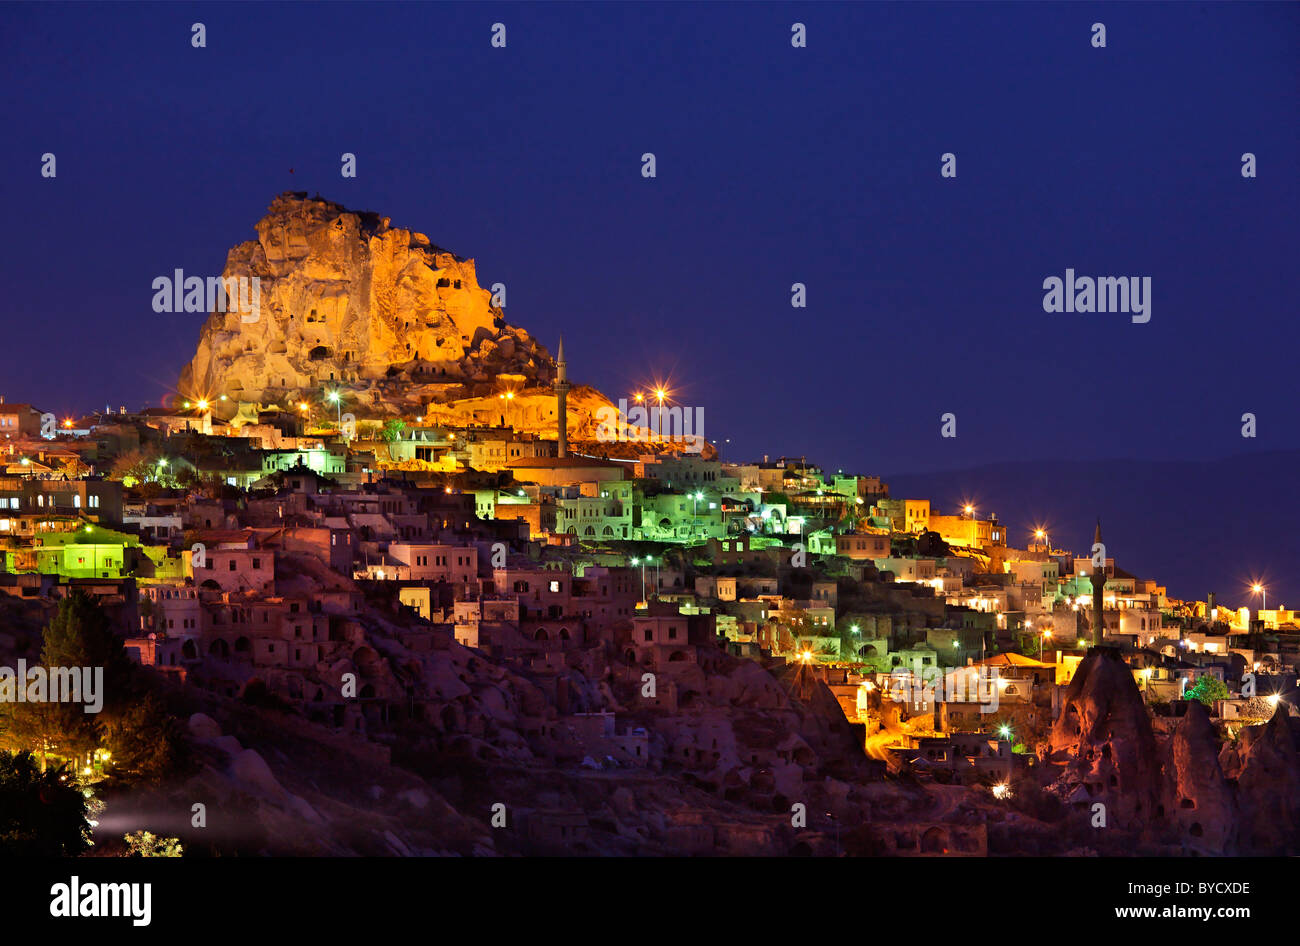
x: 232, y: 564
x: 555, y: 586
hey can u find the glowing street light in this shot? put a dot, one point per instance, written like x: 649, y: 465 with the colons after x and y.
x: 636, y: 561
x: 1258, y: 589
x: 337, y: 400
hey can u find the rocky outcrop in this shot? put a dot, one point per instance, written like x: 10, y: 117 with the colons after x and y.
x: 1104, y: 741
x: 401, y: 327
x: 347, y: 299
x: 1198, y: 802
x: 1265, y: 764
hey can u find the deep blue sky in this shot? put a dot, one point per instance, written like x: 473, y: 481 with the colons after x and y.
x: 775, y: 165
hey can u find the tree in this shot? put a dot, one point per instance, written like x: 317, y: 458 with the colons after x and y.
x: 148, y: 844
x: 135, y: 466
x: 74, y: 638
x: 45, y: 727
x: 1207, y: 690
x: 42, y: 813
x: 145, y: 741
x: 80, y: 635
x: 393, y: 429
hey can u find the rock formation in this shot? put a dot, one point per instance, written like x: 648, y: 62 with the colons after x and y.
x: 346, y: 299
x: 1265, y: 764
x: 398, y: 325
x: 1103, y: 736
x: 1198, y: 801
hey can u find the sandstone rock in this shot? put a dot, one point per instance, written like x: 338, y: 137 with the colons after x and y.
x: 203, y: 727
x: 228, y: 744
x: 1197, y: 799
x: 1269, y: 787
x: 1103, y: 736
x: 400, y: 325
x: 251, y: 769
x: 345, y: 298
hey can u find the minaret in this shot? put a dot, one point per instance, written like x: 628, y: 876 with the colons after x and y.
x: 562, y: 398
x: 1098, y: 590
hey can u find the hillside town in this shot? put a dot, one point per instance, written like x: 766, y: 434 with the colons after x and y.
x: 378, y: 578
x: 766, y: 637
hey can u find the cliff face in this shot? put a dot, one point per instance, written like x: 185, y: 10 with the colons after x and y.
x: 345, y: 299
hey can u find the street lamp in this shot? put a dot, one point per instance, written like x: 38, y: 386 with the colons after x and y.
x: 695, y: 508
x: 1259, y: 589
x: 635, y: 561
x: 334, y: 398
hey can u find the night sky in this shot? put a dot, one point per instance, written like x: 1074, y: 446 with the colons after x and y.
x: 775, y: 165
